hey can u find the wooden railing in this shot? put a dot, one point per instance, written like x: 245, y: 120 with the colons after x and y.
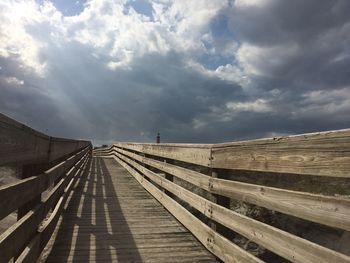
x: 318, y: 155
x: 48, y: 164
x: 21, y: 144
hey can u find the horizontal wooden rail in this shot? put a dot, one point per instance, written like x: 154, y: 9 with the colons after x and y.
x: 214, y: 242
x: 324, y: 154
x: 17, y: 236
x: 62, y: 190
x: 300, y: 250
x: 321, y: 154
x: 12, y: 196
x: 24, y: 147
x: 329, y: 210
x: 21, y: 144
x: 191, y: 153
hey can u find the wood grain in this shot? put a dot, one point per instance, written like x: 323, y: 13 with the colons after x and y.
x: 111, y: 218
x: 20, y: 144
x: 191, y: 153
x: 276, y: 240
x: 328, y: 210
x: 322, y: 154
x: 12, y: 196
x: 19, y: 234
x: 217, y: 244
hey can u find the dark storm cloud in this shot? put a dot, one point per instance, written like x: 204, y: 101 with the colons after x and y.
x: 22, y: 98
x: 158, y: 93
x: 274, y: 21
x: 308, y: 41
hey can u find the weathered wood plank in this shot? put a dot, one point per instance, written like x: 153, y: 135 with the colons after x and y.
x: 37, y: 244
x: 110, y: 206
x: 30, y: 252
x: 61, y: 147
x: 20, y: 144
x: 13, y: 239
x: 214, y: 242
x: 269, y: 237
x: 323, y: 154
x: 14, y: 195
x: 191, y: 153
x: 329, y: 210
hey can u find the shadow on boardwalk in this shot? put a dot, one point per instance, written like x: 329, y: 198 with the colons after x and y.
x: 93, y: 227
x: 111, y: 218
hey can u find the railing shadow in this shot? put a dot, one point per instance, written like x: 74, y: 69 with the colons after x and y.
x: 93, y: 227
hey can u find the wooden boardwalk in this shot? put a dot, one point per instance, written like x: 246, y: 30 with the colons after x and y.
x: 111, y: 218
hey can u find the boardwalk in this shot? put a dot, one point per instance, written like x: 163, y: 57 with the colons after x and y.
x: 122, y: 204
x: 111, y: 218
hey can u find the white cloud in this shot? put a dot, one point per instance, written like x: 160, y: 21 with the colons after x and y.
x: 14, y: 81
x: 114, y: 32
x: 14, y: 17
x: 265, y: 60
x: 247, y: 3
x: 326, y: 102
x: 123, y: 35
x: 259, y: 106
x: 232, y: 73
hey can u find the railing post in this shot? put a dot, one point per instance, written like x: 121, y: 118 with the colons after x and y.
x: 169, y: 177
x: 32, y: 170
x: 28, y: 171
x: 220, y: 200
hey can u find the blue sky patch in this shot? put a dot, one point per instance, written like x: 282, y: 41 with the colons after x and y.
x: 69, y: 7
x: 142, y: 7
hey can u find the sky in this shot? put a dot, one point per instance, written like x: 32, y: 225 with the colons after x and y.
x: 199, y: 71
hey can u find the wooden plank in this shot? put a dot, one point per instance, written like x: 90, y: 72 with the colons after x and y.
x: 12, y: 240
x: 12, y: 196
x: 37, y: 244
x: 193, y: 177
x: 103, y: 150
x: 59, y: 189
x: 282, y: 243
x: 328, y: 210
x: 322, y: 154
x: 67, y: 164
x: 21, y: 144
x: 214, y: 242
x: 191, y: 153
x: 118, y: 213
x: 61, y: 147
x: 29, y: 254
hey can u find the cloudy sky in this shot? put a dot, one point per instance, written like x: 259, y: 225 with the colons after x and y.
x: 196, y: 71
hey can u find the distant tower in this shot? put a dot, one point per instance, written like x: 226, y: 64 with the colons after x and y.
x: 158, y: 137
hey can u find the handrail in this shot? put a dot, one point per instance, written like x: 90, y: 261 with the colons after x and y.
x: 21, y: 144
x: 325, y: 154
x: 25, y: 230
x: 308, y: 206
x: 12, y: 196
